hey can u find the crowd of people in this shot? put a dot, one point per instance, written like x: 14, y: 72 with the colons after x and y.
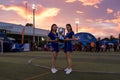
x: 97, y: 47
x: 91, y: 47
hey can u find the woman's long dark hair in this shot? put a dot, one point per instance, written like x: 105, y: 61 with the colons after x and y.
x: 53, y: 26
x: 69, y: 26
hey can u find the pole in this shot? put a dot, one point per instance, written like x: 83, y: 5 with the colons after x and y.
x: 77, y: 23
x: 33, y: 26
x: 23, y: 31
x: 76, y: 28
x: 34, y: 8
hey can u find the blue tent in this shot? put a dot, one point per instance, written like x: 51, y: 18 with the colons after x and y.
x: 85, y: 38
x: 104, y: 41
x: 4, y: 36
x: 107, y: 41
x: 115, y: 41
x: 7, y: 43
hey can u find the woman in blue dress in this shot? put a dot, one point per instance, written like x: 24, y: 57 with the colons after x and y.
x: 68, y: 47
x: 53, y: 39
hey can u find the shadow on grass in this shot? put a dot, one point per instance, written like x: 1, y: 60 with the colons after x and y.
x: 60, y: 75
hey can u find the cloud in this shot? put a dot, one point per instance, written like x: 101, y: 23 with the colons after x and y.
x: 96, y: 6
x: 87, y: 2
x: 91, y: 3
x: 79, y: 12
x: 109, y: 10
x: 109, y: 26
x: 89, y: 20
x: 12, y: 1
x: 25, y: 2
x: 42, y: 13
x: 47, y: 14
x: 101, y: 27
x: 115, y: 20
x: 100, y: 20
x: 117, y: 14
x: 18, y: 9
x: 70, y: 1
x: 97, y: 32
x: 100, y: 31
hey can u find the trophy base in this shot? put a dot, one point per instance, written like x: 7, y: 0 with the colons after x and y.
x: 61, y: 40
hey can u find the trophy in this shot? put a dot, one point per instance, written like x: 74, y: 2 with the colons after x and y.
x: 61, y: 33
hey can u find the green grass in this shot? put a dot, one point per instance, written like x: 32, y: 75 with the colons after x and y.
x: 14, y: 71
x: 86, y: 66
x: 78, y: 76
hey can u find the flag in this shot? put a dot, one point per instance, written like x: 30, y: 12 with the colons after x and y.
x: 23, y: 31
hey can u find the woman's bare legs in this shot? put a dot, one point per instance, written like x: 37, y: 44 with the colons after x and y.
x: 69, y: 60
x: 54, y: 58
x: 69, y: 63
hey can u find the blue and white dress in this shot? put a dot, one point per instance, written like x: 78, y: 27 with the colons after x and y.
x: 68, y: 44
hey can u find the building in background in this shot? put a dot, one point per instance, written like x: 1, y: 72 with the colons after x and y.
x: 16, y: 32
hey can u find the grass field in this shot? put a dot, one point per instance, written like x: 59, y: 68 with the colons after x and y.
x: 36, y: 66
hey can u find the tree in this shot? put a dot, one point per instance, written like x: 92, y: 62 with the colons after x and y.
x: 29, y: 25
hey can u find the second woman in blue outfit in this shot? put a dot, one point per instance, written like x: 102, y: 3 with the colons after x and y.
x: 68, y: 47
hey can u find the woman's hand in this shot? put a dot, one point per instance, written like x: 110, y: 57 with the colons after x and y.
x: 56, y: 40
x: 49, y: 40
x: 77, y: 38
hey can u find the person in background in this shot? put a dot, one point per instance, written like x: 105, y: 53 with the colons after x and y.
x: 119, y: 45
x: 68, y: 47
x: 92, y: 46
x: 53, y: 39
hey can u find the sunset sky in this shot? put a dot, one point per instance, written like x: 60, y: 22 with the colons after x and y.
x: 99, y: 17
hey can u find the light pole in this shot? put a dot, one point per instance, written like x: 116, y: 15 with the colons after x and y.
x: 34, y: 8
x: 77, y: 24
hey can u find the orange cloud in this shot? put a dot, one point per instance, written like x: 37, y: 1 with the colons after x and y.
x: 109, y: 27
x: 92, y: 30
x: 89, y: 20
x: 87, y: 2
x: 69, y: 1
x: 100, y: 20
x: 101, y: 28
x: 80, y: 12
x: 109, y: 10
x: 46, y: 16
x: 11, y: 0
x: 91, y: 2
x: 18, y: 9
x: 96, y: 6
x: 116, y: 20
x: 100, y: 31
x: 117, y: 14
x: 42, y: 13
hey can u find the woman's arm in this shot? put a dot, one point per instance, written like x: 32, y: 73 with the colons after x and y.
x: 71, y: 39
x: 49, y: 40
